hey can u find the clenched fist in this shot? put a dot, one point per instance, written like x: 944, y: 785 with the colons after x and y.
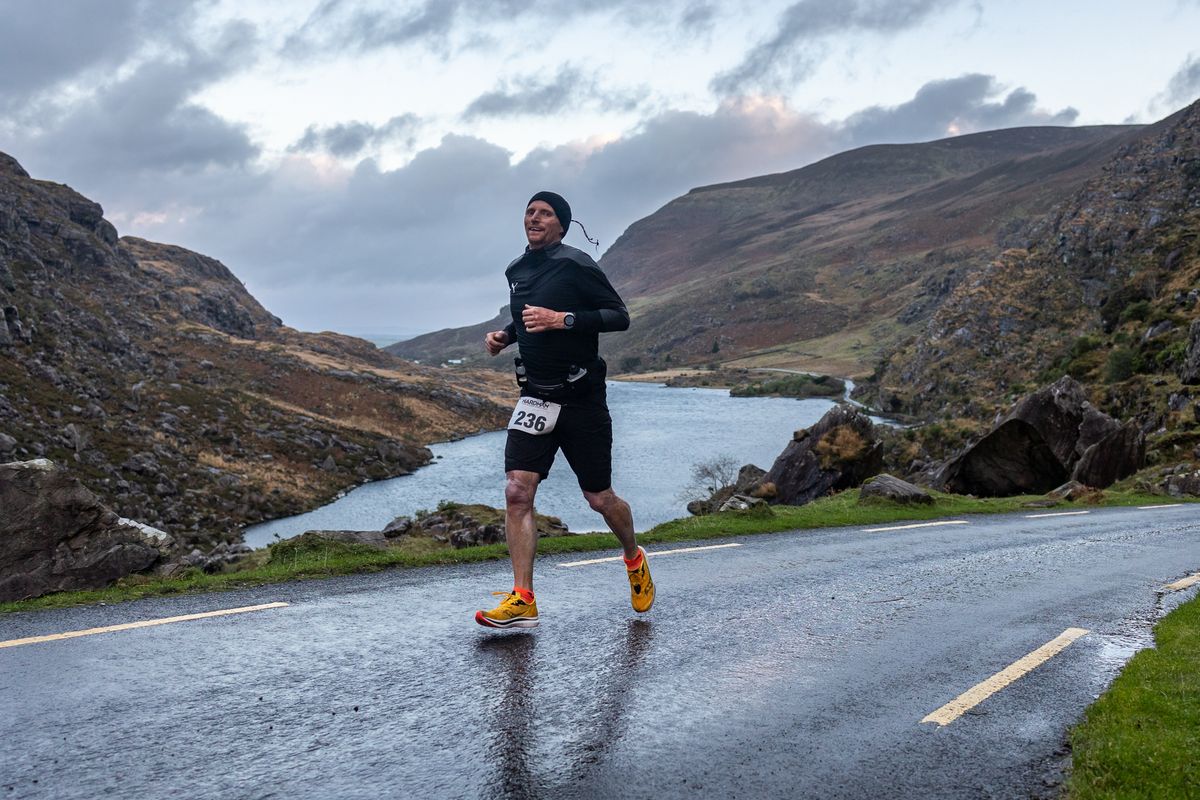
x: 540, y: 320
x: 495, y: 342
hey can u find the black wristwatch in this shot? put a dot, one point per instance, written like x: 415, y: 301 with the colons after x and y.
x: 568, y: 320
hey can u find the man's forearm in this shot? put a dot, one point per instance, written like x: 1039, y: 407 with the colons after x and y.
x: 602, y: 320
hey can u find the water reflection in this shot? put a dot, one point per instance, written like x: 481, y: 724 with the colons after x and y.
x: 595, y: 725
x: 511, y: 727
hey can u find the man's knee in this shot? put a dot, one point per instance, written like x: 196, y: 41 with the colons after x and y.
x: 519, y: 491
x: 602, y: 502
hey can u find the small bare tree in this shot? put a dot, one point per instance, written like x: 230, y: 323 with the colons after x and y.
x: 710, y: 476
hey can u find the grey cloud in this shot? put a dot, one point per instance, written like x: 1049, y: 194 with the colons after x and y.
x: 434, y: 234
x: 940, y: 107
x: 43, y: 44
x: 336, y: 24
x: 568, y: 86
x: 339, y: 25
x: 143, y: 124
x: 349, y: 139
x: 697, y: 17
x: 1184, y: 86
x: 796, y: 48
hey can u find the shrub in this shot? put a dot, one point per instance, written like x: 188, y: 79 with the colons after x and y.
x: 1084, y: 344
x: 1138, y: 310
x: 1122, y: 363
x: 841, y: 445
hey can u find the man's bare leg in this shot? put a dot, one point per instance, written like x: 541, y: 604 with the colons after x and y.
x: 617, y: 514
x: 520, y: 529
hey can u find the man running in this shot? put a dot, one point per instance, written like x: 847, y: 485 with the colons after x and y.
x: 560, y: 302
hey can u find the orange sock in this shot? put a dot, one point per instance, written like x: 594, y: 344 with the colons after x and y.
x: 633, y: 563
x: 524, y: 594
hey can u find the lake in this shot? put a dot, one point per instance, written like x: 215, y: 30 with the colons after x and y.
x: 659, y: 434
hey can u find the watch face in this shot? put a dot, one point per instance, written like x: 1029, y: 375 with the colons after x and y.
x: 569, y: 320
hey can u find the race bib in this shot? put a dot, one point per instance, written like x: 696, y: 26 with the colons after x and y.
x: 535, y: 416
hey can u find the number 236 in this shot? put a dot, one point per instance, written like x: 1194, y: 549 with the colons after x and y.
x: 531, y: 421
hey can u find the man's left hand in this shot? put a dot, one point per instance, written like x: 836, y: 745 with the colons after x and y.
x: 540, y: 320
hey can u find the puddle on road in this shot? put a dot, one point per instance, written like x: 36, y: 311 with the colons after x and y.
x: 1112, y: 652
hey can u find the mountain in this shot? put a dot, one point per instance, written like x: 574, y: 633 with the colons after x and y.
x: 828, y: 267
x: 1104, y: 287
x: 456, y: 344
x: 160, y: 381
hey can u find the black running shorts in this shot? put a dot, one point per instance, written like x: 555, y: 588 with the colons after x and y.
x: 584, y: 432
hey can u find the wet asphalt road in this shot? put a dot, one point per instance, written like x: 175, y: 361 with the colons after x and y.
x: 793, y: 665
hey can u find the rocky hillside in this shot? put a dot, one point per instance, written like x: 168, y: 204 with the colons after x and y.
x: 831, y: 266
x: 460, y: 344
x: 173, y: 394
x: 1105, y: 287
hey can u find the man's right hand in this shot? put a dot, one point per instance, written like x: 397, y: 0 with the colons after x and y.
x: 495, y: 342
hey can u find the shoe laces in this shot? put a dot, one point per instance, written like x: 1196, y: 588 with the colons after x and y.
x: 510, y: 598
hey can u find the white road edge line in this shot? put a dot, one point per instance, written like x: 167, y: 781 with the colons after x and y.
x: 1057, y: 514
x: 917, y: 525
x: 655, y: 553
x: 1183, y: 583
x: 146, y: 623
x: 1165, y: 505
x: 985, y: 689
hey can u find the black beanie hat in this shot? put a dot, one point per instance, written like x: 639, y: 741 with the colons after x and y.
x: 562, y: 209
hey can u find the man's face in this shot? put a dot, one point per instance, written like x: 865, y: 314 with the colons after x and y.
x: 542, y: 227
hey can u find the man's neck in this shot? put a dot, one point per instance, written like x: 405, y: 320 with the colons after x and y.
x: 546, y: 246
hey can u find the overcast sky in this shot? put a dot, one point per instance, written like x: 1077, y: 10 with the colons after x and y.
x: 363, y: 166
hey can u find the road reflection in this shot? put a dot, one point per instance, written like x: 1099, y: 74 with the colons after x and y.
x: 596, y: 721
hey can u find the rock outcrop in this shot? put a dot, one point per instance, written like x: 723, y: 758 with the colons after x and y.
x: 839, y: 452
x: 1189, y: 371
x: 455, y: 524
x: 55, y: 535
x: 1050, y: 436
x: 1183, y: 484
x: 746, y: 491
x: 890, y: 488
x: 1103, y: 287
x: 176, y: 397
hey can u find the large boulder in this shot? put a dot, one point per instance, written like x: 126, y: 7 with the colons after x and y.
x: 890, y: 488
x: 1064, y: 418
x: 839, y: 452
x: 1048, y: 436
x: 55, y: 535
x: 1116, y: 456
x: 1011, y: 459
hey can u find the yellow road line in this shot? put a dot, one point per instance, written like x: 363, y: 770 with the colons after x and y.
x: 1166, y: 505
x: 655, y: 553
x: 1057, y: 514
x: 1183, y: 583
x: 985, y: 689
x: 917, y: 525
x: 146, y: 623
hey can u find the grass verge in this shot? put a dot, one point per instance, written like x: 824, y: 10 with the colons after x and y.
x: 317, y: 558
x: 1142, y: 737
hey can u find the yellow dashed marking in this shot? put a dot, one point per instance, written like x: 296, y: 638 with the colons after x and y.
x: 982, y: 691
x: 1183, y: 583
